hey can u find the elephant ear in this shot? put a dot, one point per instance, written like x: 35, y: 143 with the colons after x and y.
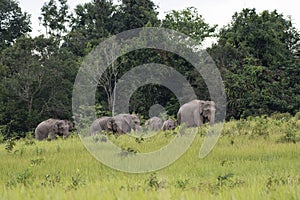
x: 201, y: 106
x: 70, y: 124
x: 135, y: 119
x: 62, y: 123
x: 110, y: 123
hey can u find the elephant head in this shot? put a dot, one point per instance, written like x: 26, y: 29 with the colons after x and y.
x: 112, y: 125
x: 71, y: 125
x: 135, y: 119
x: 170, y: 124
x: 207, y: 111
x: 154, y: 124
x: 124, y: 123
x: 62, y: 127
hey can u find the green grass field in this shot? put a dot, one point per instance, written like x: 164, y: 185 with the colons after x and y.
x: 258, y: 158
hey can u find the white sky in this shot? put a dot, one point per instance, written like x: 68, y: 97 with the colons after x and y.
x: 213, y: 11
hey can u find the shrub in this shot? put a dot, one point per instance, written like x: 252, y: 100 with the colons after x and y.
x: 10, y: 144
x: 281, y: 116
x: 297, y: 116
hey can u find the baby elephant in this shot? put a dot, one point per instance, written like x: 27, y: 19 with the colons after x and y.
x: 51, y: 128
x: 170, y: 124
x: 154, y: 123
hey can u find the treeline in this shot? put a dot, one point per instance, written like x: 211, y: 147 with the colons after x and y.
x: 256, y: 53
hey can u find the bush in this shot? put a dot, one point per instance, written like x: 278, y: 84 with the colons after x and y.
x: 281, y: 116
x: 297, y: 116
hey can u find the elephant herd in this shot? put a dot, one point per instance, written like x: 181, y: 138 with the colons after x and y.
x: 192, y: 114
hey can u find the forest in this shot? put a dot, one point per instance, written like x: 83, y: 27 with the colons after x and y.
x: 257, y: 54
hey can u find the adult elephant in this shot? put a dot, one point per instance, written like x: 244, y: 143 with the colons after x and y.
x: 125, y: 123
x: 154, y: 123
x: 122, y: 123
x: 196, y: 112
x: 51, y: 128
x: 169, y: 124
x: 101, y: 124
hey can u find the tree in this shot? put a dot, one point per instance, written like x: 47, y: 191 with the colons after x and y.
x: 134, y: 14
x: 55, y: 18
x: 257, y: 56
x: 90, y: 24
x: 189, y: 22
x: 13, y: 23
x: 37, y: 82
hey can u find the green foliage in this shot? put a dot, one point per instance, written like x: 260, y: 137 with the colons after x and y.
x: 25, y: 177
x: 291, y: 132
x: 10, y: 144
x: 283, y: 125
x: 1, y: 138
x: 262, y: 165
x: 297, y: 116
x: 182, y: 184
x: 135, y: 14
x: 38, y: 81
x: 189, y: 22
x: 37, y: 161
x: 13, y: 22
x: 29, y: 140
x: 154, y: 183
x: 55, y: 17
x: 274, y: 182
x: 51, y: 180
x: 76, y: 182
x: 256, y: 55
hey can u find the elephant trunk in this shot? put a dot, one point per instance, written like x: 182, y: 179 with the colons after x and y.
x: 212, y: 117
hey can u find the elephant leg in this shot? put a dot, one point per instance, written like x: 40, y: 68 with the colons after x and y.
x: 52, y: 135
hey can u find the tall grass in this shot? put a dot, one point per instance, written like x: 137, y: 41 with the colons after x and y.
x: 257, y: 158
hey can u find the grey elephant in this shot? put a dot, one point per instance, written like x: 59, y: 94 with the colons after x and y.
x: 122, y: 123
x: 51, y: 128
x: 196, y: 112
x: 101, y: 124
x: 154, y: 124
x: 169, y: 124
x: 125, y: 123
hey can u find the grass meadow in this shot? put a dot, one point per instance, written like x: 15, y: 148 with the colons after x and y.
x: 257, y: 158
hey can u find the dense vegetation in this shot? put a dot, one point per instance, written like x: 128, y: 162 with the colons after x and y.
x: 257, y: 54
x: 255, y: 158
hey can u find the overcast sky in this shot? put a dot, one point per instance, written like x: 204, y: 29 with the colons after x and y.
x: 213, y: 11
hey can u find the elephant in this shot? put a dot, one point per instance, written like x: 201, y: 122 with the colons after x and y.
x: 100, y: 124
x: 50, y: 128
x: 169, y: 124
x: 196, y: 112
x: 122, y: 123
x: 154, y: 123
